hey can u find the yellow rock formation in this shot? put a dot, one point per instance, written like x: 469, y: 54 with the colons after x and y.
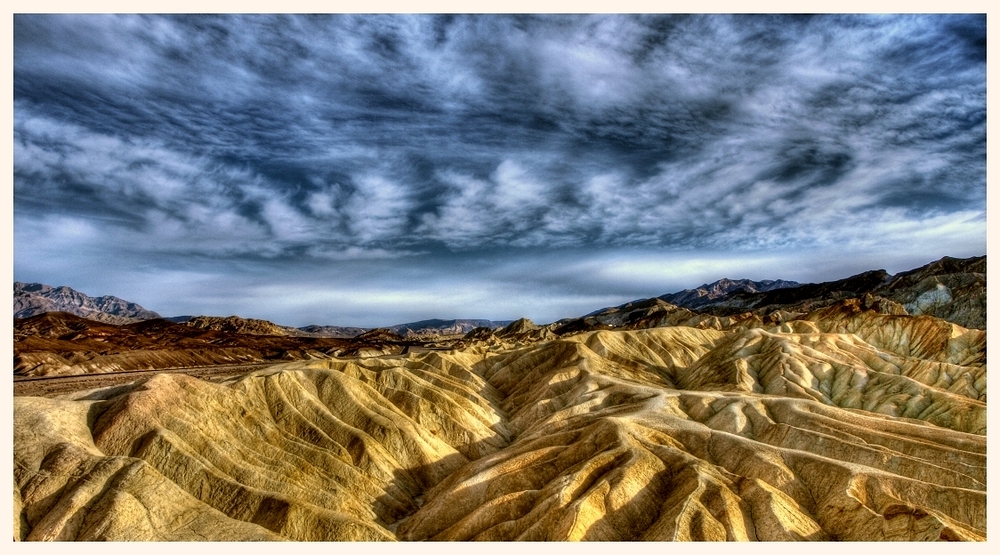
x: 847, y: 425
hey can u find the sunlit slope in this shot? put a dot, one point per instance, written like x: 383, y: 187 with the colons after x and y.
x: 853, y: 426
x: 606, y: 458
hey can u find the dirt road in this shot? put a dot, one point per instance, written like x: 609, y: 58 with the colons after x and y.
x: 51, y: 386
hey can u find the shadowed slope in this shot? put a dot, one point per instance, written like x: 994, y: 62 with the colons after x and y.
x: 603, y: 457
x: 32, y: 299
x: 847, y: 425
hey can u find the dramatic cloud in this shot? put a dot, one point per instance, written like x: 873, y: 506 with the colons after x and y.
x: 364, y: 170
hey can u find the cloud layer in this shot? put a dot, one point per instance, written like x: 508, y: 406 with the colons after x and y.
x: 398, y: 165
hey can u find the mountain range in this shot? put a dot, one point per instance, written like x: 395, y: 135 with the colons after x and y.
x: 71, y: 342
x: 849, y: 410
x: 929, y: 289
x: 32, y: 299
x: 710, y: 292
x: 952, y: 289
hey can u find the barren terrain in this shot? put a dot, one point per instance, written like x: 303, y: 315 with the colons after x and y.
x: 854, y: 421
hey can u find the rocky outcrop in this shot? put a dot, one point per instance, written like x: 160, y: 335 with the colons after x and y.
x: 439, y: 327
x: 710, y: 292
x: 32, y: 299
x: 822, y: 412
x: 519, y: 332
x: 651, y: 313
x: 952, y: 289
x: 849, y: 423
x: 235, y: 324
x: 801, y: 298
x: 339, y: 332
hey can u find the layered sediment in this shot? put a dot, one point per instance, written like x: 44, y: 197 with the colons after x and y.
x: 846, y: 424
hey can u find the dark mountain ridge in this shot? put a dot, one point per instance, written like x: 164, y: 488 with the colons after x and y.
x: 332, y: 331
x: 64, y: 343
x: 446, y: 327
x: 739, y: 301
x: 952, y: 289
x: 709, y: 292
x: 31, y: 299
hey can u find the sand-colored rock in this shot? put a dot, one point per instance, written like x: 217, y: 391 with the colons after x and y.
x: 847, y: 424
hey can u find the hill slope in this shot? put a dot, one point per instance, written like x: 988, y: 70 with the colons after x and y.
x: 32, y: 299
x: 825, y: 411
x: 444, y: 327
x: 847, y: 424
x: 950, y: 288
x: 710, y: 292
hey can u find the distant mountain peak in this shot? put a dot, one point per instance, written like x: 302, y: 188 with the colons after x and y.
x: 236, y: 324
x: 708, y: 292
x: 521, y: 325
x: 31, y: 299
x: 444, y: 327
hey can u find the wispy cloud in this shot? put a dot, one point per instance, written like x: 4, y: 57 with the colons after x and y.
x: 252, y: 141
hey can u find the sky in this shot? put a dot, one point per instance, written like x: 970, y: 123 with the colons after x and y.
x: 364, y: 170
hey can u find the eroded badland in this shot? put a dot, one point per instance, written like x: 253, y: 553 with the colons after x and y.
x: 837, y: 417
